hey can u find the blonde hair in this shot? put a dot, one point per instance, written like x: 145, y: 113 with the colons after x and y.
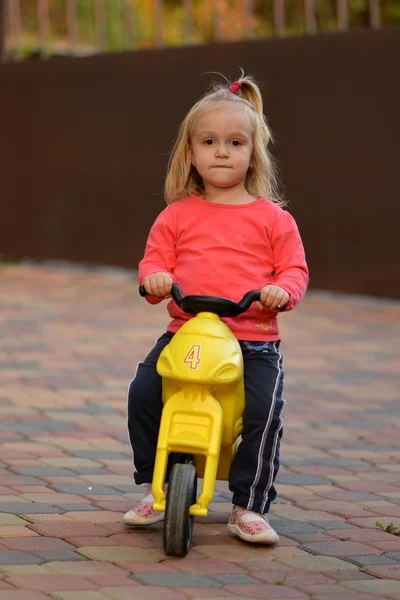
x: 261, y: 180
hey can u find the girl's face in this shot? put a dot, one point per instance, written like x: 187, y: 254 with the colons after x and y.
x: 222, y: 146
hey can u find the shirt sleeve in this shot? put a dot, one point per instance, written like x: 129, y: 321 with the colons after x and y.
x: 290, y: 267
x: 159, y: 254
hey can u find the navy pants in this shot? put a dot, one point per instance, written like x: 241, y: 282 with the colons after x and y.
x: 256, y: 463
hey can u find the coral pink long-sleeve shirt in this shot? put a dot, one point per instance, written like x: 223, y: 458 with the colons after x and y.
x: 226, y: 250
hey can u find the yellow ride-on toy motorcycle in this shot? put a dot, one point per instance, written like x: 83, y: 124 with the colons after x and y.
x: 203, y: 396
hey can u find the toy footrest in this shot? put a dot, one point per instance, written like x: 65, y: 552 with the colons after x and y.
x: 197, y: 511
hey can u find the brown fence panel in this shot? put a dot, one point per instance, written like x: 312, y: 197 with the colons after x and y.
x: 84, y: 144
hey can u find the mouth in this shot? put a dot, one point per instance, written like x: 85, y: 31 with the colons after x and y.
x: 221, y: 167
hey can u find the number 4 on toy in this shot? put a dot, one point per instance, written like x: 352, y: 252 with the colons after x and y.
x: 192, y: 358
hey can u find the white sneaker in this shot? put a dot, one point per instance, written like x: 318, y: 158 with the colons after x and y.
x: 143, y: 513
x: 252, y: 527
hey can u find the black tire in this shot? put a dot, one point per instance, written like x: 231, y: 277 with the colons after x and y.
x: 178, y: 523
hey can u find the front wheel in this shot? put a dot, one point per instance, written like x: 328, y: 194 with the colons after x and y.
x: 178, y: 523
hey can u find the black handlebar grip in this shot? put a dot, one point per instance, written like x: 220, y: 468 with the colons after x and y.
x: 142, y: 291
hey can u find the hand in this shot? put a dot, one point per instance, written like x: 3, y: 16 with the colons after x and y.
x: 159, y: 284
x: 273, y: 297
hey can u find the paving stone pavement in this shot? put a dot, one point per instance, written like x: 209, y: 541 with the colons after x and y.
x: 70, y: 339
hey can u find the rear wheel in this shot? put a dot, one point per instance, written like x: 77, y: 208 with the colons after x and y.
x: 178, y: 523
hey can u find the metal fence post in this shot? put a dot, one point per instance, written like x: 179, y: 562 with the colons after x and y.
x: 217, y: 13
x: 71, y: 25
x: 3, y: 30
x: 129, y: 41
x: 14, y: 29
x: 43, y: 18
x: 187, y: 21
x: 101, y: 25
x: 311, y: 22
x: 158, y: 21
x: 342, y: 8
x: 249, y: 19
x: 374, y: 14
x: 279, y: 17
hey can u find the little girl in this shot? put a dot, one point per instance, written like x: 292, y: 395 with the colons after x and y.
x: 223, y: 233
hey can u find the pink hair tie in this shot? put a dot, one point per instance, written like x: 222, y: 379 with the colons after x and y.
x: 234, y: 87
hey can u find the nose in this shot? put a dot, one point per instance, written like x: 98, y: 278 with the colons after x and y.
x: 222, y: 151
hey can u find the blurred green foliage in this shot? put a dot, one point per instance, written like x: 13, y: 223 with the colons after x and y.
x: 144, y: 28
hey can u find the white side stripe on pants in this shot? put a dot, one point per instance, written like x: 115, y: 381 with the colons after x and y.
x: 273, y: 454
x: 264, y: 438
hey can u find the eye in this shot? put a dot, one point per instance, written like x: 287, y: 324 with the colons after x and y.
x: 208, y: 142
x: 236, y: 143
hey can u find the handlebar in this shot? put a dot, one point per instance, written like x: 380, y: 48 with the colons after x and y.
x: 224, y: 307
